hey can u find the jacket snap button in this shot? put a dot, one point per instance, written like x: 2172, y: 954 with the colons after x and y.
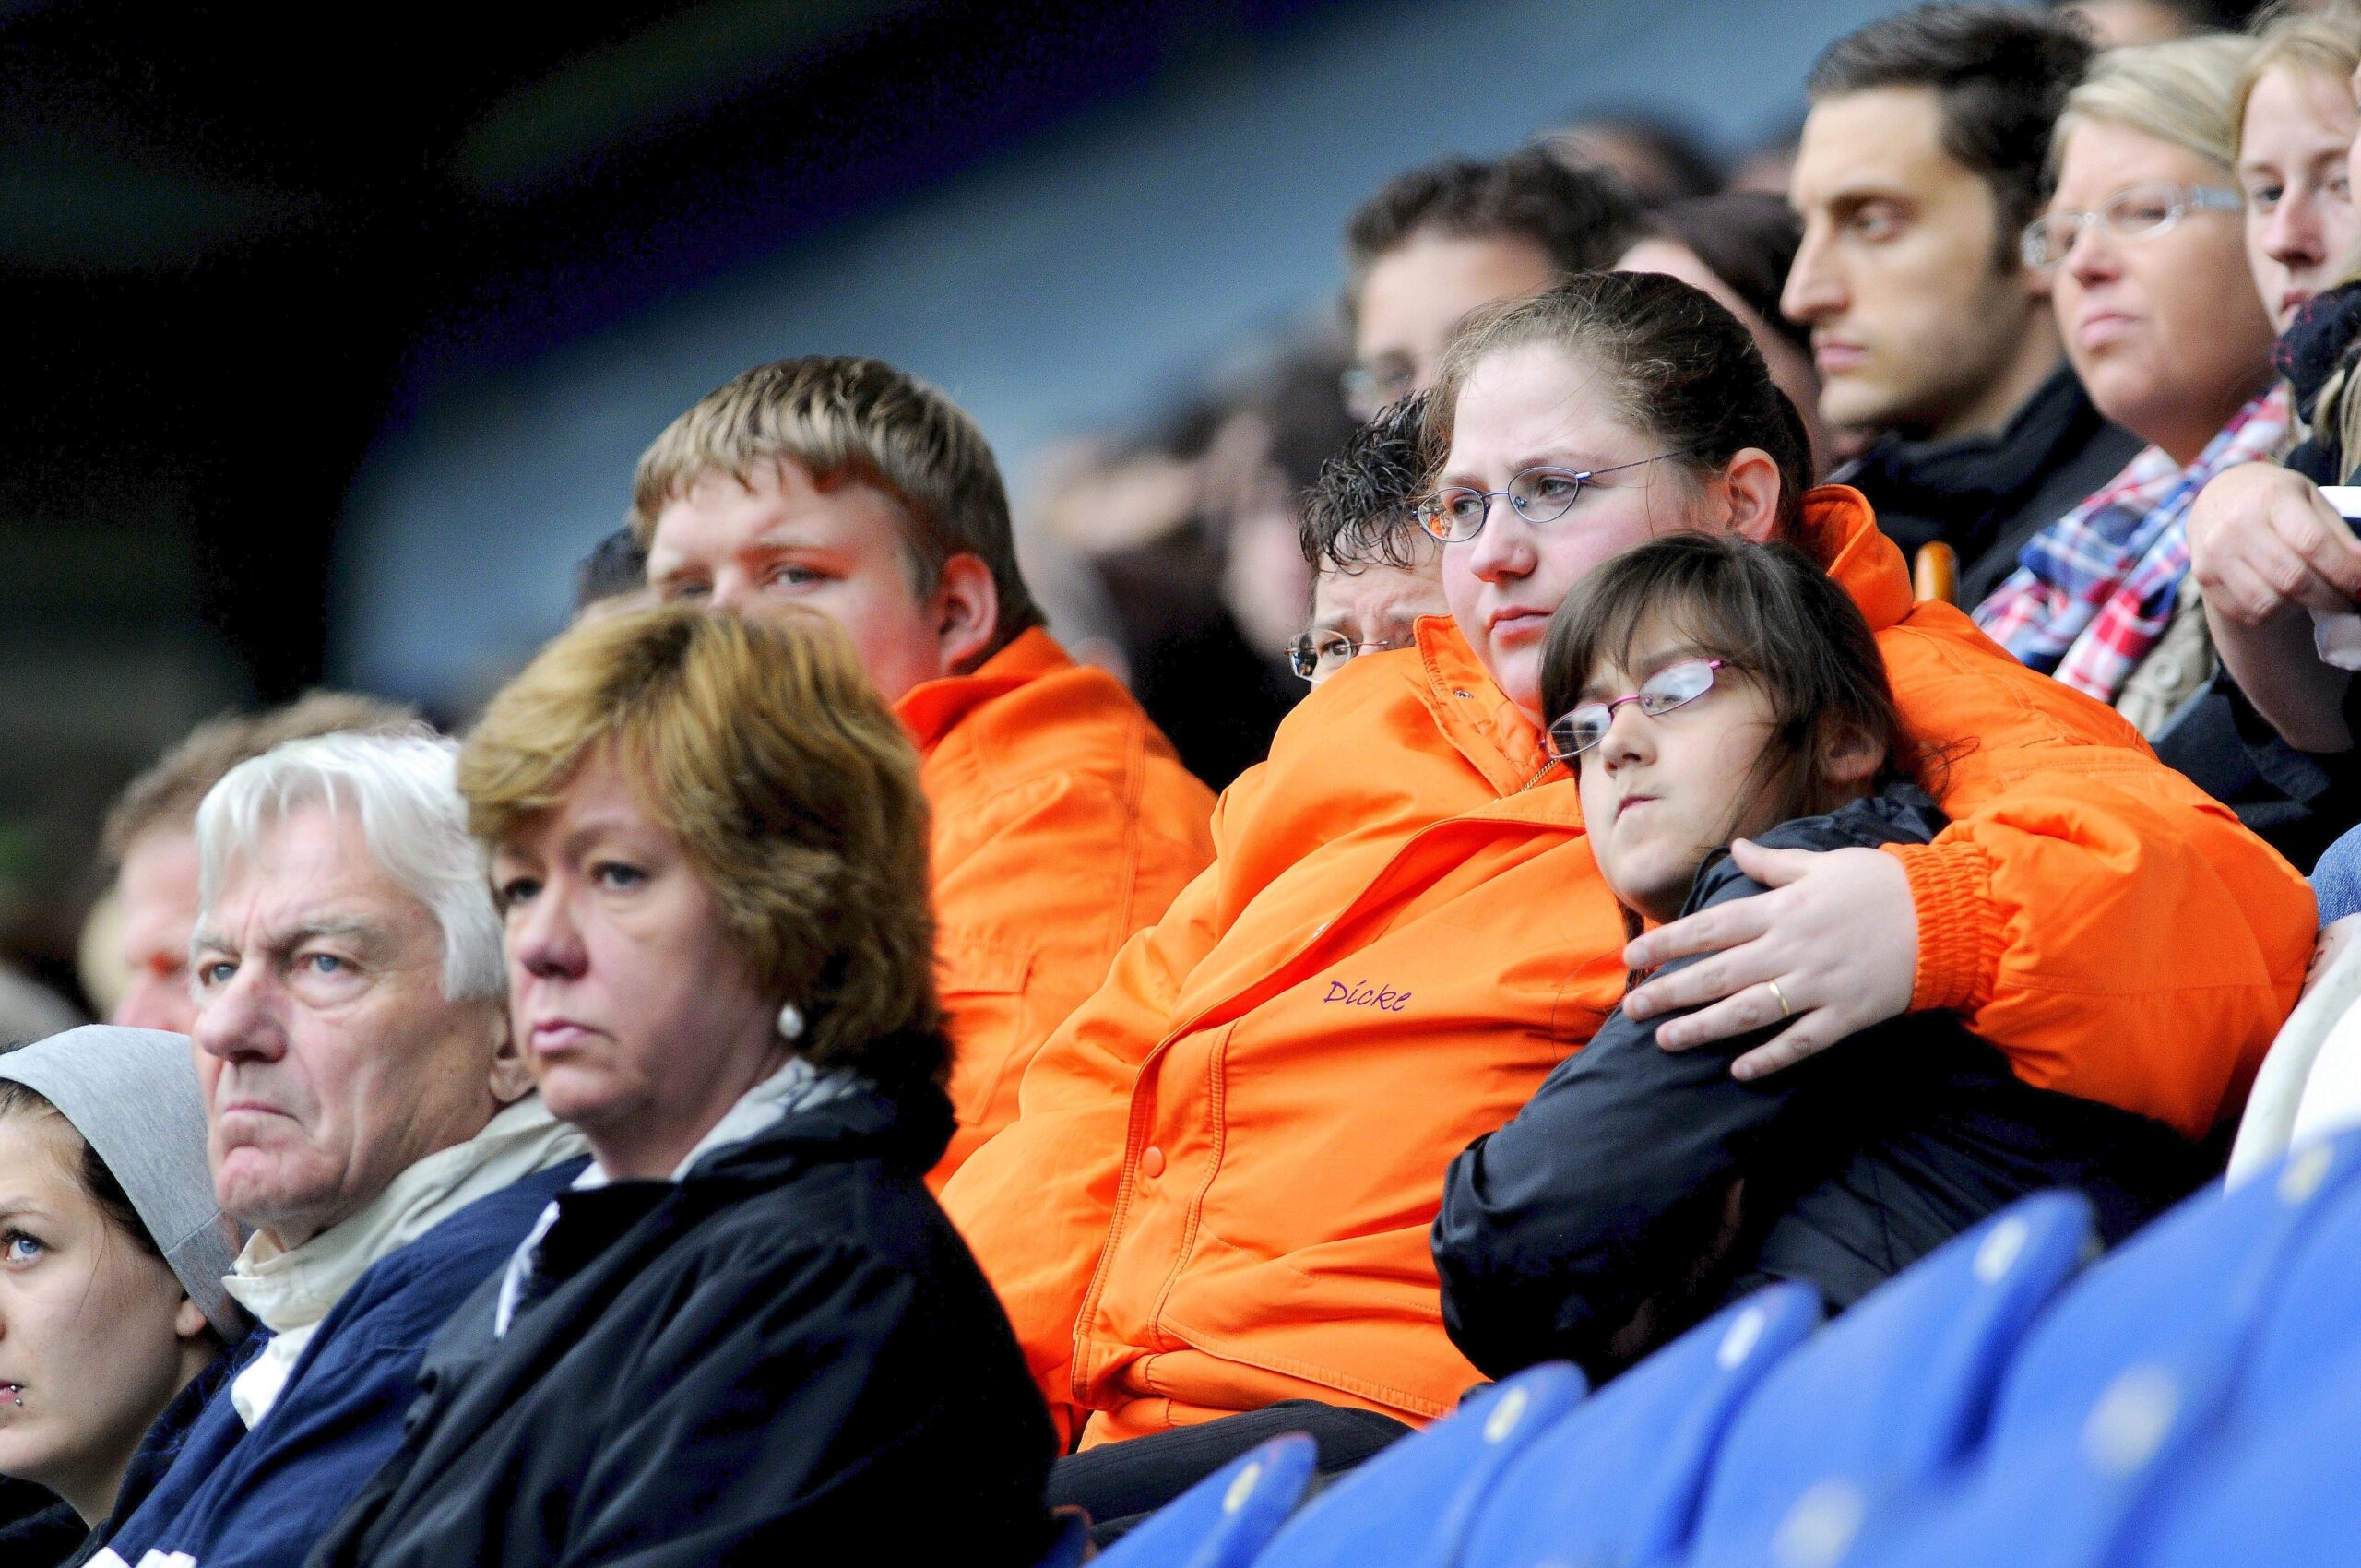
x: 1152, y: 1162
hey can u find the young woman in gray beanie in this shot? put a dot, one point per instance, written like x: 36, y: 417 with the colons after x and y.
x: 112, y: 1253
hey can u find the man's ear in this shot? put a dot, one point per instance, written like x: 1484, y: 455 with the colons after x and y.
x: 966, y: 612
x: 511, y: 1079
x: 1752, y: 480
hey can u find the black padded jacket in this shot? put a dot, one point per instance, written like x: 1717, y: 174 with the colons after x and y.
x: 788, y: 1350
x: 1602, y: 1220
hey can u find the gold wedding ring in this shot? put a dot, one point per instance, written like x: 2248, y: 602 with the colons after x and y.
x: 1786, y: 1012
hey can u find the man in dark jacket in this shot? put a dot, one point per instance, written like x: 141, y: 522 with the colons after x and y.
x: 804, y: 1279
x: 1641, y: 1188
x: 1920, y: 164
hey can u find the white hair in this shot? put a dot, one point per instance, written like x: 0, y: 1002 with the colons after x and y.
x: 405, y: 789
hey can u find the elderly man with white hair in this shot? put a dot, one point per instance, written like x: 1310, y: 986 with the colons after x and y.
x: 369, y: 1121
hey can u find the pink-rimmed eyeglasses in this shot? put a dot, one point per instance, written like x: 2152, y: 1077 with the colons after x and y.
x: 1584, y: 725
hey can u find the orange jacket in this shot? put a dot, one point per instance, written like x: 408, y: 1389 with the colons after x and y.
x: 1218, y: 1193
x: 1064, y: 822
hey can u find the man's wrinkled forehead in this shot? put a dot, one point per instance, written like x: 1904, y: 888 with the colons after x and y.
x: 309, y: 870
x: 368, y: 933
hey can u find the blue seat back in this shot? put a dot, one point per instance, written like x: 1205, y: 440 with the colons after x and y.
x: 1226, y: 1520
x: 2126, y: 1384
x: 2191, y: 1286
x: 1412, y: 1504
x: 2281, y: 1491
x: 1896, y: 1389
x: 1614, y: 1482
x: 2063, y: 1496
x: 2313, y: 1318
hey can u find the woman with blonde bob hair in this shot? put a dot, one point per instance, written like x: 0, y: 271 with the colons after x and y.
x: 2144, y: 243
x: 747, y: 1324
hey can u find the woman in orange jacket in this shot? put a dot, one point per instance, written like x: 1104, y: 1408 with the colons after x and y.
x: 1217, y: 1193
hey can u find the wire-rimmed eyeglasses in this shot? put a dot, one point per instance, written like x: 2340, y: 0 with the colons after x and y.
x: 2136, y: 212
x: 1584, y: 725
x: 1539, y: 495
x: 1315, y: 656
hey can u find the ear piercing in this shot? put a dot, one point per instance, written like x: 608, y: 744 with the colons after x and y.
x: 791, y: 1022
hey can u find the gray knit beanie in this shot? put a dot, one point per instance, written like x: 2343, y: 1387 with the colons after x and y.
x: 133, y: 1095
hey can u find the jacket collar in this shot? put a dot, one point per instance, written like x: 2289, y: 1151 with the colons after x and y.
x: 292, y: 1290
x: 1473, y: 713
x: 1838, y: 529
x: 909, y: 1128
x: 930, y: 709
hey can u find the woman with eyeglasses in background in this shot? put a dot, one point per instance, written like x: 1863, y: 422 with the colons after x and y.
x: 2146, y: 249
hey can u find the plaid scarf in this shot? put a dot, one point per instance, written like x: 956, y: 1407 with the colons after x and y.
x: 2095, y: 590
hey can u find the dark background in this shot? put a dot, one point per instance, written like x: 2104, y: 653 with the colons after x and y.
x: 256, y: 260
x: 233, y: 235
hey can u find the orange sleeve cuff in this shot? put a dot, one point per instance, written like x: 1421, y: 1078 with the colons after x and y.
x: 1959, y: 932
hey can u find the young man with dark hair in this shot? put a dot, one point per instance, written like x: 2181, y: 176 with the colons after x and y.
x: 1921, y: 162
x: 1064, y: 822
x: 1450, y: 237
x: 1433, y: 246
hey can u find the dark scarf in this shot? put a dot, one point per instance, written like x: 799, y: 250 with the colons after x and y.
x: 1970, y: 480
x: 2316, y: 343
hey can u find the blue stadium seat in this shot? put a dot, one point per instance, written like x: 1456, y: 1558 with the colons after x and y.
x: 2117, y: 1387
x: 2200, y: 1275
x: 1226, y: 1519
x: 2314, y: 1317
x: 1071, y: 1548
x: 2308, y: 1339
x: 2281, y: 1496
x: 2062, y: 1496
x: 1412, y: 1504
x: 1614, y: 1482
x: 1889, y: 1395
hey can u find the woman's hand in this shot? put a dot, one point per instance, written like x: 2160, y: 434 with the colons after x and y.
x: 2262, y: 543
x: 1836, y: 937
x: 2264, y: 548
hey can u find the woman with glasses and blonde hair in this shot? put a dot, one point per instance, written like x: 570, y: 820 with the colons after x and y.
x: 747, y: 1326
x: 2146, y: 250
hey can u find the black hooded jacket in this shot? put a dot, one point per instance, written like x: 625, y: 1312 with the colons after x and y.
x: 1985, y: 496
x: 787, y: 1349
x: 1599, y: 1221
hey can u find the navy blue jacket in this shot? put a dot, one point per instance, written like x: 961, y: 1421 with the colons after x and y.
x: 1639, y: 1189
x: 786, y: 1351
x: 260, y: 1499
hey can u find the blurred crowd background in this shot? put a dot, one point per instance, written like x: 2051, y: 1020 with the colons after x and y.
x: 333, y: 337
